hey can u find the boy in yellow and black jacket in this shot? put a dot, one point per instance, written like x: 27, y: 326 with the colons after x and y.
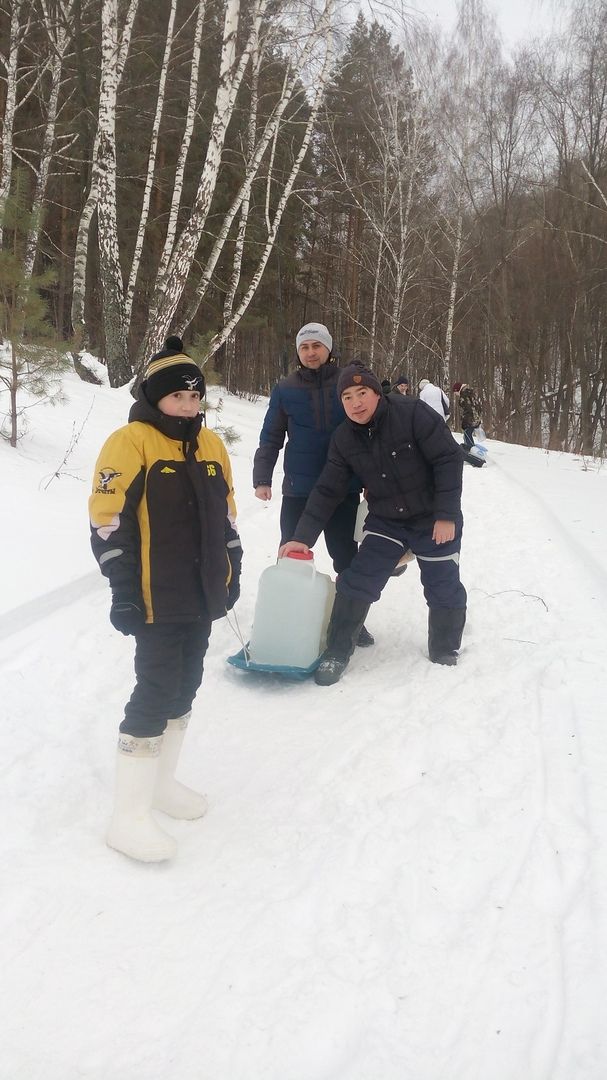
x: 163, y: 530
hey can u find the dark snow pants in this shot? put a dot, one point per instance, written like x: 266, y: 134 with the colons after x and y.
x: 339, y: 530
x: 383, y: 544
x: 168, y: 667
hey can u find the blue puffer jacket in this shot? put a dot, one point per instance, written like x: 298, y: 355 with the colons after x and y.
x: 305, y: 409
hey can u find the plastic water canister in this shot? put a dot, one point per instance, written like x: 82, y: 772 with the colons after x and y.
x: 291, y: 613
x: 479, y: 451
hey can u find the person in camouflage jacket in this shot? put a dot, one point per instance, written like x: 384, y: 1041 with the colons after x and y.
x: 469, y: 411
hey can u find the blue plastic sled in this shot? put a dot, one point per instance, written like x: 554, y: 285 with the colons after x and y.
x: 239, y: 660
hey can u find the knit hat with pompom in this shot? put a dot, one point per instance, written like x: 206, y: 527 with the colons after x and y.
x: 171, y: 370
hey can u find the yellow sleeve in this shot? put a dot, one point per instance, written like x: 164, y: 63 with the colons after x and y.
x: 118, y: 486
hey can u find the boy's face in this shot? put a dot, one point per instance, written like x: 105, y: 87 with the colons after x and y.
x: 360, y: 403
x: 183, y: 403
x: 313, y: 354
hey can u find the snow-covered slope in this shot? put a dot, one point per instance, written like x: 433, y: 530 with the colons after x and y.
x: 401, y: 877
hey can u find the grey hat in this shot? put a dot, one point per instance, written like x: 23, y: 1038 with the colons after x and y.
x: 314, y: 331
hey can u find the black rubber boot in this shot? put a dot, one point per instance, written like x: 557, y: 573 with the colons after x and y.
x: 364, y: 638
x: 346, y: 621
x: 445, y: 629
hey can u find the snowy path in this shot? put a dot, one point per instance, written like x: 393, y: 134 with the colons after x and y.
x: 401, y: 877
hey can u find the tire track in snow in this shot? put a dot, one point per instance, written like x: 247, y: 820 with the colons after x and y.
x: 590, y: 563
x: 549, y: 880
x: 26, y: 615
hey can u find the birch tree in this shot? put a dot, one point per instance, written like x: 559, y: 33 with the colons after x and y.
x: 90, y: 206
x: 186, y: 142
x: 243, y: 218
x: 472, y: 54
x: 273, y: 222
x: 18, y: 30
x: 112, y: 285
x: 149, y: 179
x: 171, y: 285
x: 58, y: 25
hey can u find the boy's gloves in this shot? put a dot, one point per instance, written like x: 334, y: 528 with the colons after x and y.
x: 126, y: 615
x: 233, y: 594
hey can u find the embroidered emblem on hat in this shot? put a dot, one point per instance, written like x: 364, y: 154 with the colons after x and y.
x: 192, y: 384
x: 357, y: 378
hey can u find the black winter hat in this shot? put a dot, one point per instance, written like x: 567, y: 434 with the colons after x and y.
x: 356, y: 374
x: 170, y: 370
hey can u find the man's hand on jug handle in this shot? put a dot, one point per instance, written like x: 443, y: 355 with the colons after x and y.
x: 291, y: 545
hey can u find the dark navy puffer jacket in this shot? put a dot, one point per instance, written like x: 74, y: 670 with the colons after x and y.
x: 407, y: 459
x: 304, y: 409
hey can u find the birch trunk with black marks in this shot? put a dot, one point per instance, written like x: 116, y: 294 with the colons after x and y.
x: 188, y: 130
x: 170, y: 286
x: 321, y: 83
x: 149, y: 180
x: 322, y: 34
x: 90, y: 206
x: 10, y: 64
x: 59, y: 33
x: 114, y: 316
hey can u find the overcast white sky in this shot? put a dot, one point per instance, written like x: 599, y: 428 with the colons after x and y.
x: 517, y: 19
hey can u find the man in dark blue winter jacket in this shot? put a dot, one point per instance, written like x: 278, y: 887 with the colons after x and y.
x: 305, y: 410
x: 411, y: 469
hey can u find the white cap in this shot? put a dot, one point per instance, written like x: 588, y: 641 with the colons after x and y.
x: 424, y: 382
x: 314, y: 331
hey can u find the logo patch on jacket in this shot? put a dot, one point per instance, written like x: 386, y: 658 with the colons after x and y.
x: 105, y: 478
x: 167, y: 470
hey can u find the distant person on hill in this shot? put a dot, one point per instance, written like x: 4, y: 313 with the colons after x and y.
x: 469, y: 410
x: 435, y: 398
x: 401, y: 386
x: 411, y: 468
x: 305, y: 410
x: 163, y: 531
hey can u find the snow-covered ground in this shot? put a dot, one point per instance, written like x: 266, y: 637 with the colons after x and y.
x: 401, y: 877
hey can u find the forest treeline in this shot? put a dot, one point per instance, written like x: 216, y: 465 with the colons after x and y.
x: 230, y: 169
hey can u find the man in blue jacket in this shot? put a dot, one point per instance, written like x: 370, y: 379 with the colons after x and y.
x: 411, y: 469
x: 305, y: 410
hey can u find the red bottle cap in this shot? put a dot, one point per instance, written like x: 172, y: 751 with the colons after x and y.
x: 306, y: 555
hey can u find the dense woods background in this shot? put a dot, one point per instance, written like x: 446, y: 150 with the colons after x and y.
x: 230, y: 169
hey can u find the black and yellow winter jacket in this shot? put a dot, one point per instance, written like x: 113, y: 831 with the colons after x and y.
x: 162, y: 516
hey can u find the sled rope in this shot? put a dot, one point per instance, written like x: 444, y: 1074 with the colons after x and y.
x: 239, y: 634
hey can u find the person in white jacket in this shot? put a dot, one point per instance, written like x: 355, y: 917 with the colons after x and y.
x: 435, y: 398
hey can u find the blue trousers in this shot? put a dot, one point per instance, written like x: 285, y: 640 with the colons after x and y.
x: 384, y: 542
x: 168, y: 667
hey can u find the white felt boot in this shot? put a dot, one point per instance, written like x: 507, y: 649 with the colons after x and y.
x: 170, y: 796
x: 133, y: 829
